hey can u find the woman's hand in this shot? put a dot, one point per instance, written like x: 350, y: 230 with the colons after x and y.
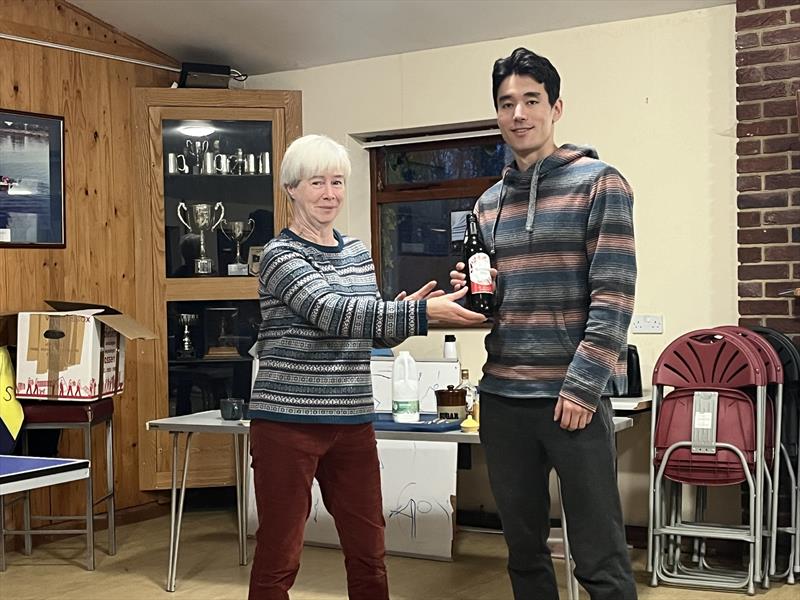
x: 426, y: 292
x: 445, y: 311
x: 458, y: 277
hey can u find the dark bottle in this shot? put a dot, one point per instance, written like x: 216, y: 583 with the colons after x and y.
x: 480, y: 297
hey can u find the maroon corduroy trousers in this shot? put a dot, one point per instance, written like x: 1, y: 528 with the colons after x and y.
x: 344, y: 459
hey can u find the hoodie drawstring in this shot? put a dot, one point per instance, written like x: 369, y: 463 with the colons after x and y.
x: 532, y: 196
x: 500, y: 199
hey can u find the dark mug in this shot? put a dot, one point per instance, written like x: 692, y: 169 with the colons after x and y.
x: 231, y: 408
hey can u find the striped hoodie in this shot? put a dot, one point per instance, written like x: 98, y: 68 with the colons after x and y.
x: 562, y: 237
x: 321, y: 316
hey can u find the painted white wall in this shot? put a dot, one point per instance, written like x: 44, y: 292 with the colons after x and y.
x: 655, y: 96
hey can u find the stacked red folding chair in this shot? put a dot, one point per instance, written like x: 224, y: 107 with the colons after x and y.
x: 715, y: 427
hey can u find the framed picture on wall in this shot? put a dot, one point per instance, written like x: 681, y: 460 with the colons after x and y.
x: 31, y: 180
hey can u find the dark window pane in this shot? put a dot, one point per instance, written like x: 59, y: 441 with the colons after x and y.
x: 408, y: 166
x: 420, y: 241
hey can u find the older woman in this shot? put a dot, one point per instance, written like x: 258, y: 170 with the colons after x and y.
x: 312, y: 407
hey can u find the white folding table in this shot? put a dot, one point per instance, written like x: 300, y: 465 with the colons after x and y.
x: 212, y: 422
x: 23, y: 473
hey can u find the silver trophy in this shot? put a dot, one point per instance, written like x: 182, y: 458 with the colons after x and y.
x: 200, y: 216
x: 239, y: 232
x: 187, y: 349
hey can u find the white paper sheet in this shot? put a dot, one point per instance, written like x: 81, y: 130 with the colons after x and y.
x: 418, y: 484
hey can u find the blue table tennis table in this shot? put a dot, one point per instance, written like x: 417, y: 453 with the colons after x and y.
x: 23, y: 473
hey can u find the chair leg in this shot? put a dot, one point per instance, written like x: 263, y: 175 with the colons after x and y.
x: 87, y: 441
x: 26, y: 506
x: 571, y: 582
x: 2, y: 534
x: 110, y: 503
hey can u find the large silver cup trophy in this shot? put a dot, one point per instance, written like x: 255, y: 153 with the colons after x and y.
x: 201, y: 216
x: 239, y: 232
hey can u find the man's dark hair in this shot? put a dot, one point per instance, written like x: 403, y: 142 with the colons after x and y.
x: 524, y: 62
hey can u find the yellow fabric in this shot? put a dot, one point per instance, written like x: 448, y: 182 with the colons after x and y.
x: 11, y: 413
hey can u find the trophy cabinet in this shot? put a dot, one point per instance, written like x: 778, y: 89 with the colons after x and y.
x: 210, y: 198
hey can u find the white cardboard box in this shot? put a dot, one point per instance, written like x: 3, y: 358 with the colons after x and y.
x: 75, y: 353
x: 418, y: 487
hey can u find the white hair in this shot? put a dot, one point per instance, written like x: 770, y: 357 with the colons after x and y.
x: 313, y: 155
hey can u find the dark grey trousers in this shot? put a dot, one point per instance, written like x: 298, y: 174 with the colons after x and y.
x: 522, y: 444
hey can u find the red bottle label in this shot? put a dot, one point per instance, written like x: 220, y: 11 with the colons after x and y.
x: 480, y: 279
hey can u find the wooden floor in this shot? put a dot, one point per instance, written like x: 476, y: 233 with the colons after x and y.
x: 208, y: 569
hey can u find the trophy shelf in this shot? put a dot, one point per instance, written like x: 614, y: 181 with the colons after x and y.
x: 217, y: 176
x: 199, y: 361
x: 212, y: 288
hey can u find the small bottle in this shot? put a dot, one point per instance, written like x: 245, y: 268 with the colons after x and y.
x: 450, y: 352
x: 405, y: 387
x: 467, y: 386
x: 480, y: 297
x: 476, y: 405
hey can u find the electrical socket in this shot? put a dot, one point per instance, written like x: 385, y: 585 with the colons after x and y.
x: 647, y: 324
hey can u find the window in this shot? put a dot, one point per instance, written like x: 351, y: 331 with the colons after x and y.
x: 421, y: 193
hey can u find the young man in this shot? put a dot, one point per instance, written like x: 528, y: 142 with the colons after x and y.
x: 560, y: 227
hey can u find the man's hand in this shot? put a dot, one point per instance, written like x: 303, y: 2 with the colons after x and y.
x: 426, y: 292
x: 458, y: 277
x: 572, y: 416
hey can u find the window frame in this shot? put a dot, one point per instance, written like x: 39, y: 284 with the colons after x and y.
x: 381, y: 193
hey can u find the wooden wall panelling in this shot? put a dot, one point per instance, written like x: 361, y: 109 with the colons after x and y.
x: 62, y: 23
x: 23, y: 280
x: 125, y: 188
x: 15, y: 94
x: 80, y: 117
x: 93, y: 95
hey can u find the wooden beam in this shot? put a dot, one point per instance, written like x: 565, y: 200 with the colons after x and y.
x: 79, y: 42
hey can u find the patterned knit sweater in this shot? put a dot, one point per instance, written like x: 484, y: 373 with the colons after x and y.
x: 321, y: 316
x: 564, y: 251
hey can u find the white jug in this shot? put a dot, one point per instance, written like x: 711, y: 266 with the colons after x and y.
x: 405, y: 389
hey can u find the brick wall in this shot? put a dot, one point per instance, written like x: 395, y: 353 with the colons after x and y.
x: 768, y: 163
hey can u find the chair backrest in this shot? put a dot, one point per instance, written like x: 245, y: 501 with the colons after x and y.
x: 790, y: 359
x: 772, y: 361
x: 735, y: 425
x: 789, y: 355
x: 709, y: 357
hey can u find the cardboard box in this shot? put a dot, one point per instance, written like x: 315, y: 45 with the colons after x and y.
x: 74, y: 353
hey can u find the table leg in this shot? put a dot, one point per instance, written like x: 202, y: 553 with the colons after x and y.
x: 176, y: 516
x: 245, y: 489
x: 26, y: 505
x: 242, y: 490
x: 87, y: 450
x: 174, y: 437
x: 2, y: 535
x: 239, y: 476
x: 110, y: 502
x: 26, y: 522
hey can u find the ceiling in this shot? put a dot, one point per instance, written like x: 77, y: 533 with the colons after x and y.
x: 265, y: 36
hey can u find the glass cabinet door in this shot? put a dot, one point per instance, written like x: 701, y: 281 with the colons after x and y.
x: 218, y: 196
x: 208, y: 347
x: 210, y: 200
